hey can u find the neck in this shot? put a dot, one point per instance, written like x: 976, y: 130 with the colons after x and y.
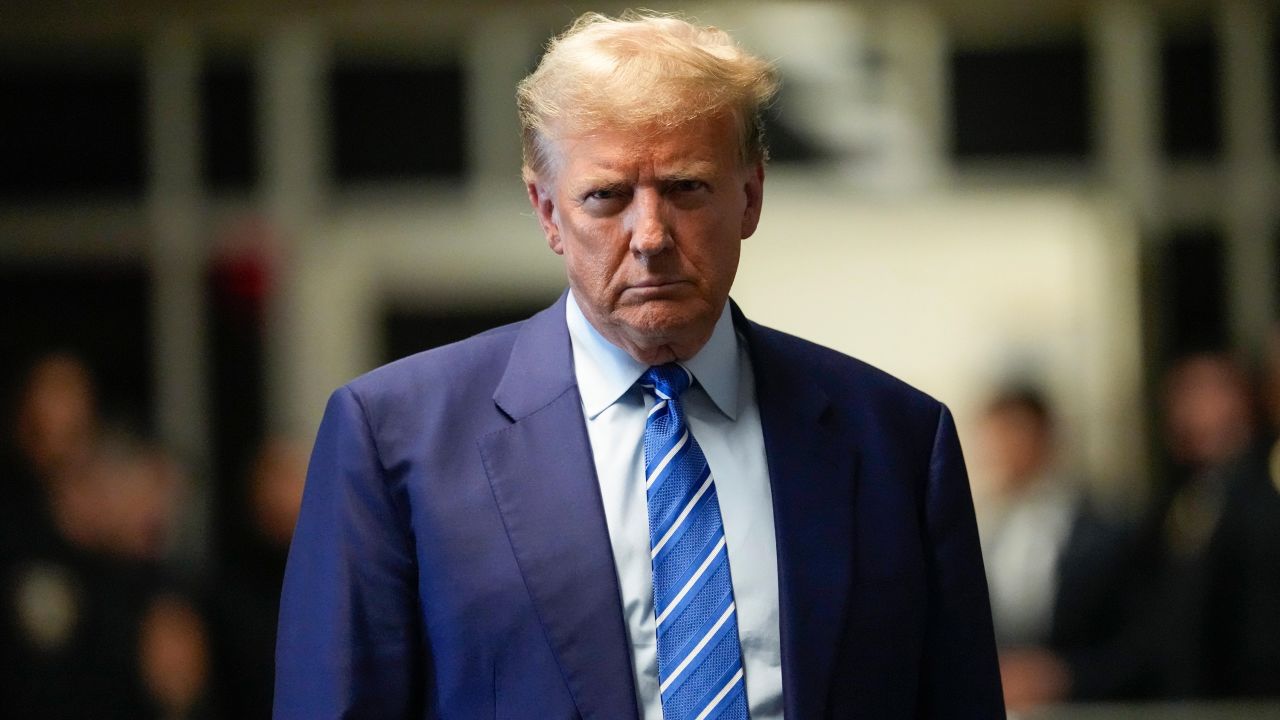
x: 656, y: 346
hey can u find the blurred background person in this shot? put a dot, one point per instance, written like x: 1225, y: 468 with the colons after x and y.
x: 82, y: 570
x: 1058, y: 567
x: 141, y: 489
x: 1210, y: 418
x: 52, y: 433
x: 246, y: 601
x: 67, y: 618
x: 1219, y: 535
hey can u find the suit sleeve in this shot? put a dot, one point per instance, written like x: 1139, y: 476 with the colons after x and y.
x: 961, y: 675
x: 349, y: 643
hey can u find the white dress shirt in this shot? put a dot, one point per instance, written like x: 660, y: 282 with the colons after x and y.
x: 724, y: 418
x: 1023, y: 539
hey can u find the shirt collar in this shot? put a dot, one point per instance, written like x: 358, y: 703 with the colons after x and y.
x: 606, y: 372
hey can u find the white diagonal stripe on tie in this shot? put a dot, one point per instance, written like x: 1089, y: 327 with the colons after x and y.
x: 679, y: 520
x: 728, y: 612
x: 720, y: 695
x: 657, y: 407
x: 648, y: 483
x: 692, y: 581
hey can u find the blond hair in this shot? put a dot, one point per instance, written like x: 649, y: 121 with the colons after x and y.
x: 641, y: 70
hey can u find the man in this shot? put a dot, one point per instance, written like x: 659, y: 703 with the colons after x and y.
x: 1216, y: 536
x: 1062, y: 574
x: 637, y: 503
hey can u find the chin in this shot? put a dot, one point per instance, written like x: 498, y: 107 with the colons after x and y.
x: 666, y: 320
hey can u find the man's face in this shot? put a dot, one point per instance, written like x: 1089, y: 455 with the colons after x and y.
x: 1017, y: 446
x: 650, y: 224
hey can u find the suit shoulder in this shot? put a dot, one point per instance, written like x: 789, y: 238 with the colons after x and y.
x: 845, y: 378
x: 474, y: 364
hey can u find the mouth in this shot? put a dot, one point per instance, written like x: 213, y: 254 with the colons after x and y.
x: 656, y: 289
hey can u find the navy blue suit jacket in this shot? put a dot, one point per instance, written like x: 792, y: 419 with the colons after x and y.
x: 452, y: 558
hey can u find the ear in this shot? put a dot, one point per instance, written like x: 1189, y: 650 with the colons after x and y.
x: 542, y: 199
x: 753, y: 188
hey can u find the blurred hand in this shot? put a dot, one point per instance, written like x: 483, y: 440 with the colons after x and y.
x: 1032, y: 677
x: 174, y: 655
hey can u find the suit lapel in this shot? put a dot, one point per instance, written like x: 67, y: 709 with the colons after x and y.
x: 544, y: 482
x: 812, y: 473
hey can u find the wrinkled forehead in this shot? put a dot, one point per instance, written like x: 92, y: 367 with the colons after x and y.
x: 692, y: 143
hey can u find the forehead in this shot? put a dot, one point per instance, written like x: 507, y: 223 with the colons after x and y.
x: 706, y: 144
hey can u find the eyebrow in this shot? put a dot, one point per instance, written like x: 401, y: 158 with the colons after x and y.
x: 682, y: 176
x: 605, y: 177
x: 696, y: 170
x: 600, y: 180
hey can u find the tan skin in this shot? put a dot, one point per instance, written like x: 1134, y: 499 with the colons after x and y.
x: 650, y: 224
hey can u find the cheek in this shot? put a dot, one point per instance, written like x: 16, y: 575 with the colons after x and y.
x: 717, y: 247
x: 590, y: 257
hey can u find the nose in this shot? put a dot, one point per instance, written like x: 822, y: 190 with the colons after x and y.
x: 650, y: 234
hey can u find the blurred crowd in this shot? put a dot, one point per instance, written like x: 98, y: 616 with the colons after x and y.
x: 99, y: 616
x: 1180, y: 600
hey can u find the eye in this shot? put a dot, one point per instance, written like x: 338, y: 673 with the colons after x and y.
x: 606, y: 200
x: 686, y: 185
x: 603, y: 194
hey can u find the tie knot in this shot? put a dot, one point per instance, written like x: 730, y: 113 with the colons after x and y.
x: 668, y: 381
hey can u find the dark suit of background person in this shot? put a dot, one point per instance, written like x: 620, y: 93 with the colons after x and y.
x: 1235, y: 592
x: 1215, y: 538
x: 1097, y: 624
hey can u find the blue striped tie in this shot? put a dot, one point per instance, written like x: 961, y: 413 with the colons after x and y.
x: 699, y: 659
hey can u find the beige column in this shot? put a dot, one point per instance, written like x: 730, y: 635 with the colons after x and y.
x: 1125, y: 45
x: 177, y: 255
x: 291, y: 69
x: 914, y: 41
x: 1246, y: 32
x: 500, y: 50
